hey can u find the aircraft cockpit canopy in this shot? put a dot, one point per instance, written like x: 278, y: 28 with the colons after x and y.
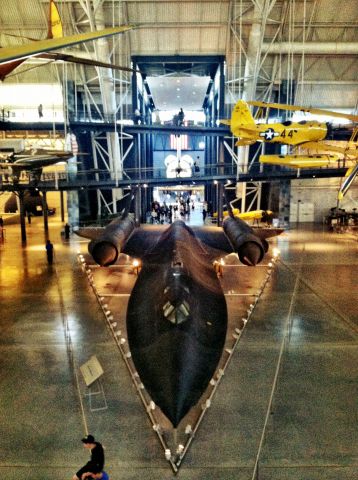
x: 178, y: 314
x: 176, y: 308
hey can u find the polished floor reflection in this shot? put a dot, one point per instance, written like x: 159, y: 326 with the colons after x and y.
x: 52, y: 323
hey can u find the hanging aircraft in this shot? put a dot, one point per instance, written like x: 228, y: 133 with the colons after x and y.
x: 306, y: 134
x: 12, y: 57
x: 177, y: 314
x: 31, y: 161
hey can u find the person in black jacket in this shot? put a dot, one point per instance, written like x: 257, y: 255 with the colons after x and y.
x: 49, y: 252
x: 96, y: 462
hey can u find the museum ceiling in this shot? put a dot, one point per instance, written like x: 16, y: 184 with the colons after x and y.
x: 311, y: 43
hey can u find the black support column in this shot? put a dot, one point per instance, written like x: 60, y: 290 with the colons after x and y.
x: 220, y: 192
x: 22, y: 215
x: 62, y: 207
x: 44, y: 211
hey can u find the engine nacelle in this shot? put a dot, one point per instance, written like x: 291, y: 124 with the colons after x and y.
x: 248, y: 246
x: 265, y: 244
x: 106, y: 248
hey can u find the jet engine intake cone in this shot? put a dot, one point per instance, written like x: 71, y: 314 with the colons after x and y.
x: 250, y: 253
x: 104, y: 253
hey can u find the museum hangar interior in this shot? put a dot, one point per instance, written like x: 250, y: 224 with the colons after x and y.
x: 280, y: 400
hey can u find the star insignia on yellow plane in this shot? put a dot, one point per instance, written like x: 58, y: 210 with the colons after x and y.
x: 269, y: 134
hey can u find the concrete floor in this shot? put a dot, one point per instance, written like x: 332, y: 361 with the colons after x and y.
x: 312, y: 426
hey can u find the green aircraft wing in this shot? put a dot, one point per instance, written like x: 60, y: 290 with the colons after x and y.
x: 22, y: 51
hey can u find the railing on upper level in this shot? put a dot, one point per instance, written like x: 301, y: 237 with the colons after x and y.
x: 223, y: 172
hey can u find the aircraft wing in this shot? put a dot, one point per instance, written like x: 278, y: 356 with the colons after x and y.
x: 139, y: 243
x: 145, y: 237
x: 84, y: 61
x: 30, y: 163
x: 329, y: 147
x: 39, y: 161
x: 299, y: 161
x: 122, y: 236
x: 7, y: 68
x: 215, y: 237
x: 22, y: 51
x: 296, y: 108
x: 225, y: 122
x: 251, y: 215
x: 244, y: 142
x: 269, y: 232
x: 89, y: 232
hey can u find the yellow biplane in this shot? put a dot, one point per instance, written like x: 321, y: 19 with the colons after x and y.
x: 12, y: 57
x: 309, y: 135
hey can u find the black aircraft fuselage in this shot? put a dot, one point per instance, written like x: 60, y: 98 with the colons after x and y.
x: 177, y: 316
x: 176, y: 321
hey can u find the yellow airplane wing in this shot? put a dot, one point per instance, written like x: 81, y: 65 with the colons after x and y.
x: 244, y: 142
x: 22, y: 51
x: 299, y: 161
x: 235, y: 211
x: 254, y: 214
x: 318, y: 111
x: 328, y: 147
x: 225, y: 122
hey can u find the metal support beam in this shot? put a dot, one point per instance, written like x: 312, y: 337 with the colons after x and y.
x: 284, y: 202
x: 137, y: 206
x: 311, y: 48
x: 221, y: 111
x: 44, y: 210
x: 62, y: 207
x: 219, y: 202
x: 261, y: 11
x: 20, y: 196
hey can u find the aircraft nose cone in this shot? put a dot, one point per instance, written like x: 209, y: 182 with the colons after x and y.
x: 176, y: 370
x: 104, y: 253
x: 250, y: 254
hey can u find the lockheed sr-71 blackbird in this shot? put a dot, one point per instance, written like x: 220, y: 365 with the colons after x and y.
x: 177, y: 315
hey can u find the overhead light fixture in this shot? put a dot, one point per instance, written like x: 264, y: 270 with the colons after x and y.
x: 178, y: 89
